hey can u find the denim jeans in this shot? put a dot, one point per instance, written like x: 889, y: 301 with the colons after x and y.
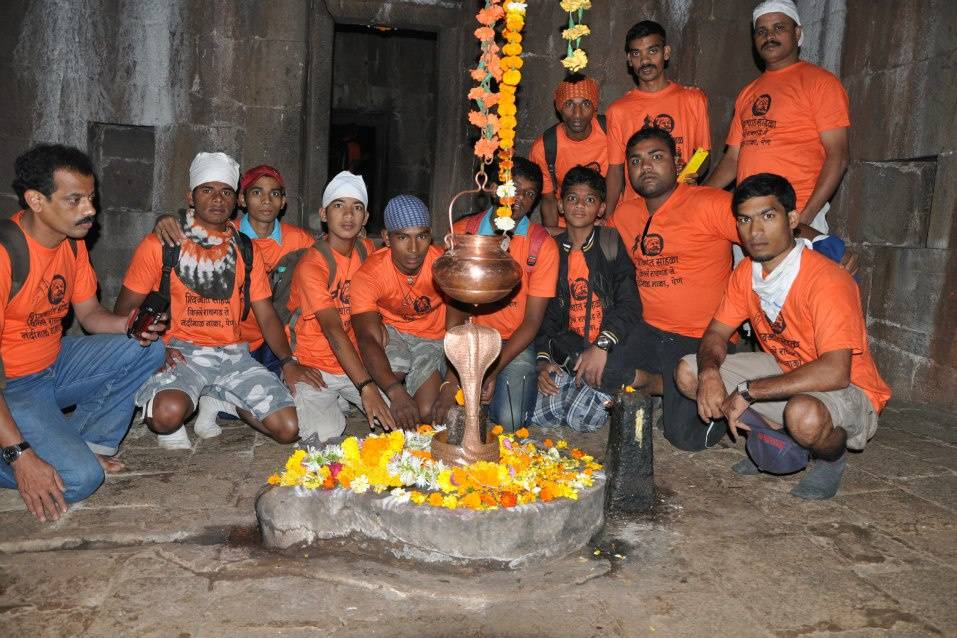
x: 515, y: 391
x: 98, y: 374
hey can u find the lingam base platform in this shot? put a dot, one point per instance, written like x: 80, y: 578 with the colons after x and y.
x: 512, y: 537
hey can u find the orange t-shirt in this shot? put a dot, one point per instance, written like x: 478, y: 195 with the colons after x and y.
x: 293, y: 238
x: 417, y: 308
x: 822, y: 313
x: 311, y: 294
x: 680, y: 110
x: 683, y: 272
x: 31, y: 324
x: 577, y: 305
x: 591, y: 151
x: 778, y: 120
x: 507, y: 315
x: 194, y: 318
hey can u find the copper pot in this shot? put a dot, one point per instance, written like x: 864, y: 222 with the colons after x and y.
x: 476, y: 269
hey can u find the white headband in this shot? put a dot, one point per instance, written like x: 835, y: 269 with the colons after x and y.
x: 787, y: 7
x: 213, y: 167
x: 345, y: 184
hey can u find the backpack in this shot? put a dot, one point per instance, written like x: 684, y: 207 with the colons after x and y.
x: 550, y: 142
x: 536, y: 237
x: 281, y: 280
x: 245, y: 245
x: 15, y: 243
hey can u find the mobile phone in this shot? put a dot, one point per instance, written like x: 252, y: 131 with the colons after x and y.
x: 153, y: 307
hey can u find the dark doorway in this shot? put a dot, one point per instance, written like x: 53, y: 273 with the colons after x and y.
x: 382, y: 124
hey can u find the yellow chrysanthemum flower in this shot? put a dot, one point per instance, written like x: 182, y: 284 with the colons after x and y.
x: 575, y: 32
x: 576, y: 61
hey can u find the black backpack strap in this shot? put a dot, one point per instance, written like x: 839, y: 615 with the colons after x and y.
x: 246, y: 250
x: 602, y: 122
x: 550, y: 142
x: 326, y: 251
x: 15, y: 243
x: 170, y: 259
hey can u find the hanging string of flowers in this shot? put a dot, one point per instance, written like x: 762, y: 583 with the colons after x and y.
x: 576, y: 59
x: 497, y: 130
x: 401, y: 463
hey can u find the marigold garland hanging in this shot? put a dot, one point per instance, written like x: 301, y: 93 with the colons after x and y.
x: 575, y: 59
x: 497, y: 131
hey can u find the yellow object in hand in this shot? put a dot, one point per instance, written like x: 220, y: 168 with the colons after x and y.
x: 691, y: 168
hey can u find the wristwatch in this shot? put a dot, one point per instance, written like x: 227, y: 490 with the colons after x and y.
x: 12, y: 453
x: 604, y: 342
x: 743, y: 391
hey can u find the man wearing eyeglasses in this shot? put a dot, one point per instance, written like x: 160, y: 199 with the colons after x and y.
x: 792, y: 120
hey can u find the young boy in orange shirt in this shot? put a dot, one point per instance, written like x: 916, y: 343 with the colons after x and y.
x: 323, y: 334
x: 509, y: 387
x: 583, y: 358
x: 399, y: 315
x: 208, y: 291
x: 262, y: 195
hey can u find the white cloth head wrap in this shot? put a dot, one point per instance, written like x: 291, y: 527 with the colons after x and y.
x: 213, y: 167
x: 787, y: 7
x: 345, y: 184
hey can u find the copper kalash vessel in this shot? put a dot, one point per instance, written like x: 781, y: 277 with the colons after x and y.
x: 476, y: 269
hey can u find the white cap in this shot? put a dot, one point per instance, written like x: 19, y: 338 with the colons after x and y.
x: 213, y: 167
x: 787, y: 7
x: 345, y: 184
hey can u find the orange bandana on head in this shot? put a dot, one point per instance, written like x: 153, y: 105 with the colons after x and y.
x: 586, y: 88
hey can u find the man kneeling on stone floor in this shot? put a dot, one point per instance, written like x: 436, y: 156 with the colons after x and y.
x: 399, y: 315
x: 582, y: 346
x: 815, y: 391
x: 212, y: 281
x: 50, y: 457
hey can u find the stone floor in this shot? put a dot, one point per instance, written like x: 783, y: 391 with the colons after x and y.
x: 170, y: 548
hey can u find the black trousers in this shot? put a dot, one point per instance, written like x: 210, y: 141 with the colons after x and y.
x: 656, y: 351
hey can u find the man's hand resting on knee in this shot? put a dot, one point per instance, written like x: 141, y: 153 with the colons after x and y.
x: 40, y: 486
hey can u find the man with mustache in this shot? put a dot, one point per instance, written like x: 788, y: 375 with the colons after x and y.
x: 657, y: 102
x: 792, y: 120
x: 52, y: 458
x: 579, y: 140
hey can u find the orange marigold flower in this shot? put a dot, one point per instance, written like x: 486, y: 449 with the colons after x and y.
x: 508, y: 499
x: 472, y: 501
x: 273, y: 479
x: 512, y: 36
x: 577, y: 454
x: 507, y: 109
x: 502, y: 211
x: 478, y: 74
x: 548, y: 443
x: 506, y: 91
x: 506, y: 143
x: 485, y: 33
x: 490, y: 15
x: 512, y: 49
x: 424, y: 428
x: 507, y: 121
x: 485, y: 148
x: 547, y: 493
x: 422, y: 454
x: 328, y: 483
x: 478, y: 119
x: 460, y: 397
x: 488, y: 499
x: 522, y: 433
x: 435, y: 499
x: 497, y: 429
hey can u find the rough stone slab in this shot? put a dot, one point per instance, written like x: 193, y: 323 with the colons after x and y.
x: 515, y: 536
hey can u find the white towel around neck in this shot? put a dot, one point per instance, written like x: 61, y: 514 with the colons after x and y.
x: 773, y: 290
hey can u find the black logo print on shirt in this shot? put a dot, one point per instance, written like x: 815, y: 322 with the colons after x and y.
x: 57, y: 290
x: 761, y: 105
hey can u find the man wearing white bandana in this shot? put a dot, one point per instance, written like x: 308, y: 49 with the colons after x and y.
x: 208, y: 295
x: 792, y: 120
x: 816, y: 379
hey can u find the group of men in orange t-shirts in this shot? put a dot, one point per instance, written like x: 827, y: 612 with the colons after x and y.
x: 265, y: 321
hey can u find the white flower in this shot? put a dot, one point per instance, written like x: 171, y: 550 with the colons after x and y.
x: 400, y: 495
x: 505, y: 223
x: 516, y: 6
x: 360, y: 484
x: 506, y: 190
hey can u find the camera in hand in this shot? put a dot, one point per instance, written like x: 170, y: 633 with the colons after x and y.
x: 153, y: 307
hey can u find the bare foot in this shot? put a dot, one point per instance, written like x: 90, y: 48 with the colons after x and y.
x: 110, y: 465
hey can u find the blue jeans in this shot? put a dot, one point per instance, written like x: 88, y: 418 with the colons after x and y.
x: 98, y: 374
x: 264, y: 355
x: 515, y: 391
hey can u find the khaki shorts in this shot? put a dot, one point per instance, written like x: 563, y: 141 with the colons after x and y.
x: 850, y: 408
